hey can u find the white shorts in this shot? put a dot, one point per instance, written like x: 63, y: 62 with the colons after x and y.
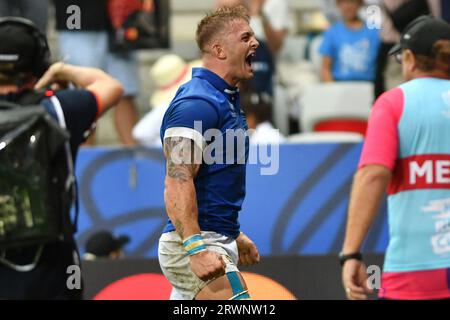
x: 174, y: 262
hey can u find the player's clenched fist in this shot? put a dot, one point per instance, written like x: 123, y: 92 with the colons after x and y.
x: 248, y: 252
x: 207, y: 265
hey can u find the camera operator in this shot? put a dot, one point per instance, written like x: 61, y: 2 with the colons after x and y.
x: 39, y: 271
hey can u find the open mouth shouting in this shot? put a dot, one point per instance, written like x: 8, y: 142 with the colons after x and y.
x: 249, y: 60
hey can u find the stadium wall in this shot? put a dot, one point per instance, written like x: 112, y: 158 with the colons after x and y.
x: 300, y: 210
x: 275, y: 278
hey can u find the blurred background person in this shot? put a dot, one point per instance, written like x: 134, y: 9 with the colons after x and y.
x: 329, y: 9
x: 34, y: 10
x: 103, y: 244
x: 397, y: 14
x: 168, y: 73
x: 38, y: 269
x: 440, y: 8
x: 349, y: 47
x: 89, y: 46
x: 257, y: 107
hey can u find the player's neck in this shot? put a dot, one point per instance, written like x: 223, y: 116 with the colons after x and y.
x: 233, y: 82
x: 221, y: 71
x: 355, y: 23
x: 431, y: 74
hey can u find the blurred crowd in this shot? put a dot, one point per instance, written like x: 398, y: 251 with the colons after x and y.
x: 349, y: 55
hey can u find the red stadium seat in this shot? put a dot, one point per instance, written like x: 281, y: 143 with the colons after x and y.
x: 342, y: 125
x: 336, y: 107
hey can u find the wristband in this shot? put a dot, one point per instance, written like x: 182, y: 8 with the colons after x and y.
x: 194, y: 244
x: 345, y: 257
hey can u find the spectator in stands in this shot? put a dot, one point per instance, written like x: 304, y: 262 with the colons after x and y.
x: 444, y: 10
x: 270, y: 22
x: 88, y: 46
x: 329, y: 9
x: 103, y: 244
x: 168, y: 73
x: 349, y: 47
x: 397, y: 14
x: 440, y: 8
x: 34, y: 10
x: 257, y: 107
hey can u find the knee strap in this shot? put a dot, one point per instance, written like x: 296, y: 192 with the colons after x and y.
x: 239, y: 293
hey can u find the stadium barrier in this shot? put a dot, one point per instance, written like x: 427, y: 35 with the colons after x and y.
x: 300, y: 210
x: 275, y: 278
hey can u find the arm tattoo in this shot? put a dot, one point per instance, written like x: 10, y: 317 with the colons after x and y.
x: 179, y: 228
x: 182, y: 158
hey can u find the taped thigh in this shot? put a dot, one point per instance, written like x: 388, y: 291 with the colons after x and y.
x: 239, y: 292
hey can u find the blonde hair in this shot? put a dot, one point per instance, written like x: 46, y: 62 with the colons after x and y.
x: 215, y: 22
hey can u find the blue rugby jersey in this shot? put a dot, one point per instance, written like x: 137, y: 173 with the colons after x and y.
x: 219, y: 185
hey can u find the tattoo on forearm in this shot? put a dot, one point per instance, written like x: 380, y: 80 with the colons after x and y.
x: 182, y: 158
x: 179, y: 227
x: 179, y: 172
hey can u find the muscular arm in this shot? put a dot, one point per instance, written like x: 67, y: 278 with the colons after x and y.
x: 369, y: 185
x: 183, y: 162
x: 370, y: 182
x: 106, y: 88
x: 182, y: 166
x: 325, y: 69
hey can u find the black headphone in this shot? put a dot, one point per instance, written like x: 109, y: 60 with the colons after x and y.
x: 42, y: 59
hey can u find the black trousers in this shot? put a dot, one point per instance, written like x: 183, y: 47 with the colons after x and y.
x: 47, y: 281
x: 34, y: 10
x: 382, y: 60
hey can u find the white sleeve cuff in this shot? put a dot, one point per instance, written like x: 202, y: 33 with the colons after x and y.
x: 187, y: 133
